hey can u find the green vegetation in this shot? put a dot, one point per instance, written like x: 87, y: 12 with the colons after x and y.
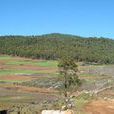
x: 45, y: 71
x: 47, y: 63
x: 17, y: 72
x: 70, y: 81
x: 52, y: 46
x: 68, y: 71
x: 82, y: 100
x: 5, y: 57
x: 39, y: 63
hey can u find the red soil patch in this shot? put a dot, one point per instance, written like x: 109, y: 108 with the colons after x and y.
x: 2, y: 62
x: 31, y: 67
x: 17, y: 78
x: 100, y: 107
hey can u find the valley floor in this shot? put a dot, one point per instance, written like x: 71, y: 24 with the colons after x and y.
x: 30, y: 82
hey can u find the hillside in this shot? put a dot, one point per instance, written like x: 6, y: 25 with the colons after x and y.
x: 53, y: 46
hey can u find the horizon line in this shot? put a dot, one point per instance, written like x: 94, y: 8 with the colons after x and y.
x: 56, y: 33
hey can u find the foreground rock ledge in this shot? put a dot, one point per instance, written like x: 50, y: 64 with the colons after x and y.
x: 57, y: 112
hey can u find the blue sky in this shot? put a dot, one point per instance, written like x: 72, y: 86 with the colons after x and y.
x: 78, y: 17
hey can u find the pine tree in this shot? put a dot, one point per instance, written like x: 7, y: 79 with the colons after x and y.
x: 70, y: 81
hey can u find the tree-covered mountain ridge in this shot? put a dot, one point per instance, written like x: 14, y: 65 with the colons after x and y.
x: 53, y: 46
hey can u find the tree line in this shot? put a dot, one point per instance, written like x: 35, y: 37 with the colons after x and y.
x: 53, y: 46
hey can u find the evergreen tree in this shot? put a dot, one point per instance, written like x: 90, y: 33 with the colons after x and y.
x: 70, y: 81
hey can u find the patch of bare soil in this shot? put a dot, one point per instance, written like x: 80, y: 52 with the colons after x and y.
x: 17, y: 78
x: 28, y: 67
x: 31, y: 67
x: 100, y: 107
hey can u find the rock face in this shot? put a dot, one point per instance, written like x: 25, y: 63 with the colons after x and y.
x: 57, y: 112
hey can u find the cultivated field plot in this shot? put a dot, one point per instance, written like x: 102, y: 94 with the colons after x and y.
x: 15, y: 70
x: 27, y: 81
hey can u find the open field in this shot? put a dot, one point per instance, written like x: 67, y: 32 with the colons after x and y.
x: 27, y: 81
x: 21, y: 69
x: 16, y: 70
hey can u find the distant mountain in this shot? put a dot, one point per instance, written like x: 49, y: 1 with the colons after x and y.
x: 53, y: 46
x: 58, y: 35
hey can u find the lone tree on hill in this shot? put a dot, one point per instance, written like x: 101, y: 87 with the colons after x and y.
x: 70, y: 81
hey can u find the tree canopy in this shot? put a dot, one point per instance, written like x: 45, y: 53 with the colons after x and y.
x: 52, y: 46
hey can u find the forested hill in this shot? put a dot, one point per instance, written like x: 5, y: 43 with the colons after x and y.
x: 52, y: 46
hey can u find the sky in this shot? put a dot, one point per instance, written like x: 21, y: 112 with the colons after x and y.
x: 88, y: 18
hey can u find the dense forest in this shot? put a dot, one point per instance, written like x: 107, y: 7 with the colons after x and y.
x: 53, y: 46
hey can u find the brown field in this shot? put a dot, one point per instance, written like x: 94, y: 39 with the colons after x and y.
x: 13, y: 71
x: 18, y: 78
x: 100, y: 107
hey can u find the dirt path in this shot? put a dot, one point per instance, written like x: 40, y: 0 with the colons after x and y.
x: 100, y: 107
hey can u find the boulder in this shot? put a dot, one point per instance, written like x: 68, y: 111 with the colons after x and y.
x: 57, y: 112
